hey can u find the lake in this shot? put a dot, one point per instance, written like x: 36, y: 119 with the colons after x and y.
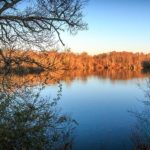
x: 101, y: 106
x: 104, y: 107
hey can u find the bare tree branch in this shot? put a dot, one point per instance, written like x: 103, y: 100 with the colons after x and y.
x: 39, y: 21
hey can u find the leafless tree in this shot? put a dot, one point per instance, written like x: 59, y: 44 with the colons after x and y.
x: 38, y: 23
x: 39, y: 19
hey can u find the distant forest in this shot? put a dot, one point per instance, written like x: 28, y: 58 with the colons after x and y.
x: 72, y: 61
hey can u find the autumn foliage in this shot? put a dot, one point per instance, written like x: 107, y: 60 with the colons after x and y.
x: 51, y: 67
x: 67, y: 60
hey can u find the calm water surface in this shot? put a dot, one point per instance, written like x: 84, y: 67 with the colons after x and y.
x: 101, y: 108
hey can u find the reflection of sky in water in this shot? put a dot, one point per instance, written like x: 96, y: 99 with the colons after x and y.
x: 101, y: 109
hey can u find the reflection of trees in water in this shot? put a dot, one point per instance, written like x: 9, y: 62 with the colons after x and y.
x: 29, y: 121
x: 48, y: 77
x: 141, y: 133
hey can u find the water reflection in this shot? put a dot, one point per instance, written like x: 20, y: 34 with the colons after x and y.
x: 28, y: 121
x: 45, y: 77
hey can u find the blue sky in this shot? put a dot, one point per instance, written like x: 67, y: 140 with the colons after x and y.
x: 120, y: 25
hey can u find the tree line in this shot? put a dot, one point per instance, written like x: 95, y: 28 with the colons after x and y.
x: 67, y: 60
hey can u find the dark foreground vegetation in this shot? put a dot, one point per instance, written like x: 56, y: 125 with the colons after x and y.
x: 29, y: 121
x: 140, y: 136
